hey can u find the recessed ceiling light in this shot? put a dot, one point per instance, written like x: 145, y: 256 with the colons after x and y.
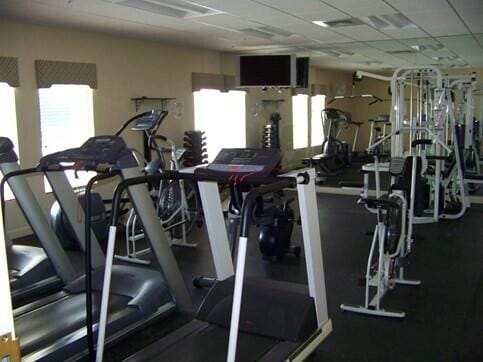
x: 320, y: 23
x: 418, y: 48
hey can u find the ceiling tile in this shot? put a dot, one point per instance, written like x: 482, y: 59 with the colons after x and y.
x: 415, y: 6
x: 388, y: 45
x: 404, y: 33
x: 462, y: 45
x: 361, y: 32
x: 226, y: 21
x: 438, y: 22
x: 475, y: 24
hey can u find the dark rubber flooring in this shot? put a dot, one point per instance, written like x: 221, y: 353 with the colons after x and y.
x: 444, y: 316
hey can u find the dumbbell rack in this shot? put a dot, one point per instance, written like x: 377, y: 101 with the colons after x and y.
x: 195, y: 145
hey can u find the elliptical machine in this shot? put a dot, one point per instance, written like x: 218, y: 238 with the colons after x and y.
x: 334, y: 120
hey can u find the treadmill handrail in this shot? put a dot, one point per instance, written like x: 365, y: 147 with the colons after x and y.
x: 175, y: 175
x: 87, y: 256
x: 250, y: 201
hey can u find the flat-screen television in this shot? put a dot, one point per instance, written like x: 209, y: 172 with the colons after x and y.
x: 303, y: 72
x: 266, y: 71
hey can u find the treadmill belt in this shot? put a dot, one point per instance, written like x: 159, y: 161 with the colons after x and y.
x: 209, y: 344
x: 58, y: 319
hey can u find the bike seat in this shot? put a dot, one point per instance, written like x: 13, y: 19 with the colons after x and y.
x: 379, y: 203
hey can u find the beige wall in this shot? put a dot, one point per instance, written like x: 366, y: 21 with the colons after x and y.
x: 255, y: 124
x: 125, y: 67
x: 128, y: 68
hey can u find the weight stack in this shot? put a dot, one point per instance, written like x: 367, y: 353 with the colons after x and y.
x: 271, y: 136
x: 195, y: 144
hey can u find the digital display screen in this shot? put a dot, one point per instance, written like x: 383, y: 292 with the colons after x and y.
x: 265, y: 70
x: 246, y: 154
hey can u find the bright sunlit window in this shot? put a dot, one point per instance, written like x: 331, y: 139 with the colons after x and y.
x: 316, y: 128
x: 8, y: 121
x: 300, y: 119
x: 67, y: 121
x: 222, y: 117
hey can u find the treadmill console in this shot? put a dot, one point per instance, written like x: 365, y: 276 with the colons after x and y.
x: 246, y: 160
x: 95, y: 151
x: 149, y: 120
x: 7, y: 154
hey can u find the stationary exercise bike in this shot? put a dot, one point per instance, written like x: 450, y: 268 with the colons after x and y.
x: 275, y: 227
x: 392, y: 240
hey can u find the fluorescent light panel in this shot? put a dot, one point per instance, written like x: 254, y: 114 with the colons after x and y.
x: 320, y: 23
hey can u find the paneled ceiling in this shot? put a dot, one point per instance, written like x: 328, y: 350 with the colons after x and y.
x: 362, y: 34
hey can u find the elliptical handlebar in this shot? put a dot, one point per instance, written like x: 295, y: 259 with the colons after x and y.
x: 152, y: 118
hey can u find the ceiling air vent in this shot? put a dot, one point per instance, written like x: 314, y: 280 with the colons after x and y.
x: 388, y: 21
x: 257, y: 33
x: 396, y: 52
x: 266, y: 32
x: 343, y: 22
x: 275, y: 31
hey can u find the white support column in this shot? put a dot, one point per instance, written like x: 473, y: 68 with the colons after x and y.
x: 313, y: 247
x: 215, y: 225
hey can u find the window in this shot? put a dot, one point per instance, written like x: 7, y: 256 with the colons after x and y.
x: 222, y: 117
x: 300, y: 118
x: 317, y: 136
x: 67, y: 120
x: 8, y: 121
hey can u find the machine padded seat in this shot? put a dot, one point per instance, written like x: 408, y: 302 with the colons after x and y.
x: 351, y: 185
x: 317, y: 159
x: 384, y: 204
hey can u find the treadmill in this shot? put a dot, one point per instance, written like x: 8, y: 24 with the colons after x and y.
x: 33, y: 271
x: 247, y: 318
x: 55, y: 330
